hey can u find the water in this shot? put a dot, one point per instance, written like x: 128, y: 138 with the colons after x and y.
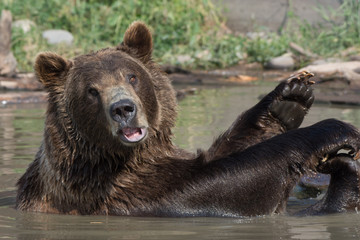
x: 201, y: 118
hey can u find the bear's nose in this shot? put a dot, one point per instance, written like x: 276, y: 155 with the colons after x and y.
x: 123, y: 110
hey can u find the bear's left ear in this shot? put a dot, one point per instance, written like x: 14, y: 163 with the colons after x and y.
x: 139, y: 41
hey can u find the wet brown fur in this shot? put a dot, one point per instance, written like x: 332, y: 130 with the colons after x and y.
x: 115, y: 173
x: 81, y: 168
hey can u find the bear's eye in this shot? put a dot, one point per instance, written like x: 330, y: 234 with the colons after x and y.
x: 132, y: 79
x: 94, y: 92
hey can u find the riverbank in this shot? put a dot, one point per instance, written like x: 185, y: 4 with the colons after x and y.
x: 333, y: 86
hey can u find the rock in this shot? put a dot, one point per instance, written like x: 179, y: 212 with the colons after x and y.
x: 24, y: 24
x: 7, y: 60
x: 343, y: 71
x: 283, y: 62
x: 56, y: 36
x: 8, y: 65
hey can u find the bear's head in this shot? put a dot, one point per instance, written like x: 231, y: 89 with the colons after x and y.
x: 112, y: 97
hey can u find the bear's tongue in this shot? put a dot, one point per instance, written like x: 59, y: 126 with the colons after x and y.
x: 133, y: 134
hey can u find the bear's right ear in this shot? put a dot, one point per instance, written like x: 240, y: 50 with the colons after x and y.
x: 51, y: 69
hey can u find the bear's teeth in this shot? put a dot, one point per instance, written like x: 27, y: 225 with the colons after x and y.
x: 133, y: 134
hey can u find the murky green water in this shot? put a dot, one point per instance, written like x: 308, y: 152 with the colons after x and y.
x: 201, y: 118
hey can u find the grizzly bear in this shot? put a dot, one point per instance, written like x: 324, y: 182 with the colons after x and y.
x: 107, y: 146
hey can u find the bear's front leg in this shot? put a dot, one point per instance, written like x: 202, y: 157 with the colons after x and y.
x: 281, y: 110
x: 259, y: 180
x: 343, y: 193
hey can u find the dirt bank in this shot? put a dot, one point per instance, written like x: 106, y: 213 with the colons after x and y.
x: 24, y: 88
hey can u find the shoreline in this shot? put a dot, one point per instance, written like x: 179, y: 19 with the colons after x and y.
x: 25, y: 88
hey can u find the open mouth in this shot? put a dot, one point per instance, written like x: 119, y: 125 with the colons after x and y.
x: 133, y: 135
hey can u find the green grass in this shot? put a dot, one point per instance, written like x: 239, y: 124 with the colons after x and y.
x: 340, y: 29
x: 182, y: 29
x: 263, y: 49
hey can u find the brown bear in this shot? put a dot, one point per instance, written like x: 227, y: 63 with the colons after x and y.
x: 107, y: 146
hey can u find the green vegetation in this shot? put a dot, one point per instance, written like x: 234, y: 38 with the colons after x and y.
x: 181, y: 27
x: 340, y: 30
x: 189, y: 33
x: 263, y: 49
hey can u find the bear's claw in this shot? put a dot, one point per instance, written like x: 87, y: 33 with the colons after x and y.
x: 297, y: 89
x: 303, y: 76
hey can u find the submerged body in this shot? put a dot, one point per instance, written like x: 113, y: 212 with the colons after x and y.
x: 108, y: 148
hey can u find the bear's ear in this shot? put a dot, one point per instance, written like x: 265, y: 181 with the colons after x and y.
x: 139, y: 40
x: 50, y: 69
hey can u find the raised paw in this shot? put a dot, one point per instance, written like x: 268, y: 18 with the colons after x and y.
x: 293, y: 99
